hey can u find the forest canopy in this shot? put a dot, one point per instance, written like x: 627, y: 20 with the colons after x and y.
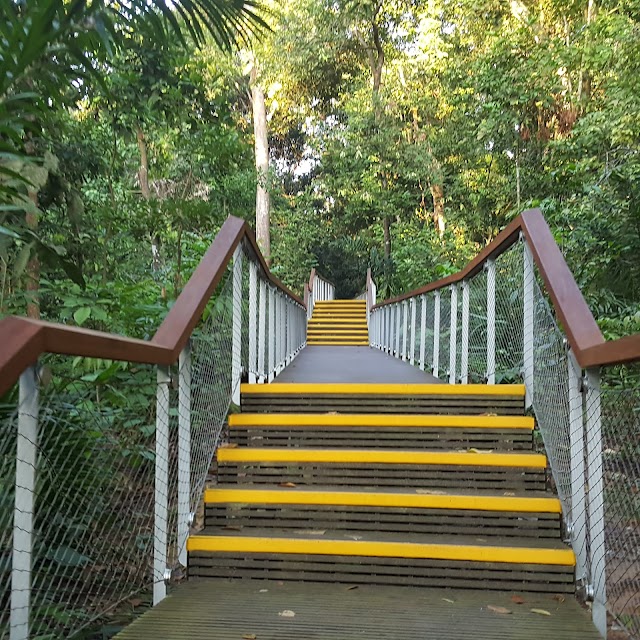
x: 401, y: 135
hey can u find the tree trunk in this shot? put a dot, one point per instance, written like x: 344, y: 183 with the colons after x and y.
x: 32, y: 284
x: 437, y: 193
x: 386, y: 226
x: 263, y: 203
x: 143, y: 171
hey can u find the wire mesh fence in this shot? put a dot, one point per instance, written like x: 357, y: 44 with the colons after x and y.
x: 587, y: 422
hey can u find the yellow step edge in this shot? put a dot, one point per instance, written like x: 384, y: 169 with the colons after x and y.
x: 464, y: 553
x: 384, y: 389
x: 400, y: 500
x: 368, y: 456
x: 340, y: 331
x: 378, y: 420
x: 324, y: 343
x: 326, y: 323
x: 331, y: 303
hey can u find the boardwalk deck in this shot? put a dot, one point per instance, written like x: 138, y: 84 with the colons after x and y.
x: 232, y: 610
x: 351, y: 364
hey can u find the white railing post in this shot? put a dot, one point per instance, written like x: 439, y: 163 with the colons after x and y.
x: 595, y: 501
x: 436, y: 334
x: 161, y: 486
x: 272, y: 335
x: 412, y: 352
x: 527, y: 350
x: 283, y: 331
x: 23, y: 515
x: 184, y: 452
x: 491, y: 321
x: 236, y: 355
x: 405, y: 331
x: 453, y: 334
x: 389, y: 334
x: 289, y: 331
x: 262, y: 330
x: 398, y: 327
x: 253, y: 317
x: 423, y: 329
x: 577, y: 524
x: 278, y: 331
x: 464, y: 352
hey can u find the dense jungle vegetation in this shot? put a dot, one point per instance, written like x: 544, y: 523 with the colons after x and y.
x: 402, y: 135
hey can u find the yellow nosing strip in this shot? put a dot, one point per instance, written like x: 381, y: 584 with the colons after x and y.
x: 399, y: 500
x: 368, y: 456
x: 465, y: 553
x: 385, y: 389
x: 343, y: 343
x: 378, y: 420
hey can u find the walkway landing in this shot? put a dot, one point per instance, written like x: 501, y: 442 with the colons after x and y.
x: 267, y: 610
x: 351, y: 364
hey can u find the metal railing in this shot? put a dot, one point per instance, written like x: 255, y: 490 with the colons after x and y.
x: 318, y: 289
x: 107, y: 442
x: 515, y: 314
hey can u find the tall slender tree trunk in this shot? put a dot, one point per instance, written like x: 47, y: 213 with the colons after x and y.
x: 386, y: 228
x: 143, y: 171
x: 437, y: 193
x: 32, y: 272
x: 263, y: 201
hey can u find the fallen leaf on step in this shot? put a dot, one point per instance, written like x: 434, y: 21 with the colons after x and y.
x: 135, y: 602
x: 288, y: 485
x: 355, y: 537
x: 517, y: 599
x: 508, y: 493
x: 489, y: 414
x: 559, y: 598
x: 542, y: 612
x: 311, y: 532
x: 287, y: 613
x: 481, y: 539
x: 431, y: 492
x: 332, y: 413
x: 352, y: 587
x: 500, y: 610
x: 263, y: 590
x: 228, y: 445
x: 474, y: 450
x: 249, y: 636
x: 449, y: 601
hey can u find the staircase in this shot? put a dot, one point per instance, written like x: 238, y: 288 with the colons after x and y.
x: 339, y: 323
x: 394, y: 484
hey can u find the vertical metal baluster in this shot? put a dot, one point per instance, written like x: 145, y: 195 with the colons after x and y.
x: 253, y: 316
x: 184, y: 452
x: 24, y: 499
x: 436, y: 334
x: 272, y: 334
x: 453, y: 334
x: 405, y: 331
x: 491, y: 322
x: 464, y: 354
x: 528, y: 361
x: 236, y: 355
x: 262, y: 330
x: 412, y: 352
x: 161, y: 486
x: 398, y: 328
x: 423, y: 329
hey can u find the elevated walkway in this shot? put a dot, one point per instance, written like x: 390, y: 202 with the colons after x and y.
x: 358, y: 496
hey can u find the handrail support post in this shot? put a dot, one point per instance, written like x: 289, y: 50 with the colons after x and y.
x: 236, y: 353
x: 453, y: 334
x: 26, y: 460
x: 464, y: 351
x: 528, y: 311
x: 185, y: 516
x: 491, y: 322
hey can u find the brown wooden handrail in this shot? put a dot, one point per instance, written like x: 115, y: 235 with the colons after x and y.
x: 22, y: 340
x: 586, y: 340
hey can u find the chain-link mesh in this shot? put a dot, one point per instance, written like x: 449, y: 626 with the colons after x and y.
x: 118, y: 444
x: 445, y: 332
x: 477, y: 371
x: 620, y: 415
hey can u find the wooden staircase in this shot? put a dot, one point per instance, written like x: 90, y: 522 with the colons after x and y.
x: 339, y: 323
x: 432, y: 485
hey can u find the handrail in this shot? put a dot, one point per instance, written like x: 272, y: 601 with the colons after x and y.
x: 587, y: 342
x: 24, y: 340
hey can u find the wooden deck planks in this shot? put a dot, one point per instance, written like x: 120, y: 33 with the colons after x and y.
x: 221, y: 609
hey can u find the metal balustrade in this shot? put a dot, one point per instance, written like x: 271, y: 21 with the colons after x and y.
x: 108, y: 443
x: 499, y: 322
x: 318, y: 289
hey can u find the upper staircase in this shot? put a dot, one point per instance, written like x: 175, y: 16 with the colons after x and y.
x: 339, y: 323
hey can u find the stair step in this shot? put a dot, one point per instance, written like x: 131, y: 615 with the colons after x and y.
x: 397, y: 499
x: 381, y: 389
x: 383, y: 398
x: 342, y: 343
x: 360, y: 456
x: 331, y: 420
x: 390, y: 546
